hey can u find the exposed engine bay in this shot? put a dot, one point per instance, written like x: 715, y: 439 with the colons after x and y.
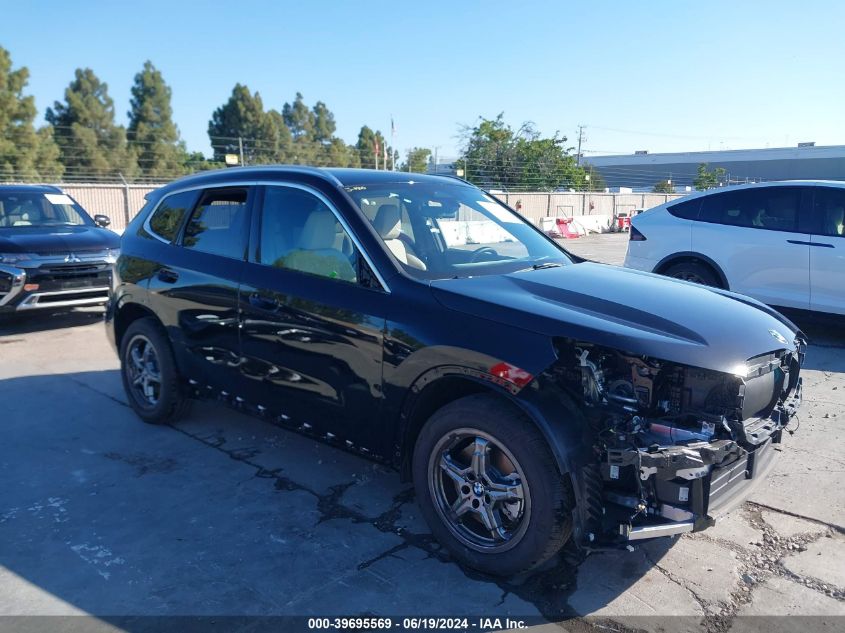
x: 674, y: 444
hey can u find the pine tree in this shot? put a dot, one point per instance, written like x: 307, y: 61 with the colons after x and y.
x: 152, y: 134
x: 25, y: 154
x: 91, y: 145
x: 299, y: 119
x: 324, y: 125
x: 370, y: 148
x: 264, y: 136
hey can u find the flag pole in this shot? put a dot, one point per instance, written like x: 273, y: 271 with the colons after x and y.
x: 392, y: 145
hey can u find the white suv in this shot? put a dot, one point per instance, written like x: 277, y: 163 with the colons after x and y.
x: 780, y: 242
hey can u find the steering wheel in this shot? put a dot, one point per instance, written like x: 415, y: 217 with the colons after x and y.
x: 481, y: 251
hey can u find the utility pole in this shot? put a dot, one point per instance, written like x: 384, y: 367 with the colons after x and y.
x: 241, y: 149
x: 435, y: 158
x: 580, y: 139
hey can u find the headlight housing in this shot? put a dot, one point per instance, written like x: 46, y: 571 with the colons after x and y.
x: 112, y: 254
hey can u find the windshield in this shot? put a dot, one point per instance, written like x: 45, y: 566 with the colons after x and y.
x: 444, y: 230
x: 21, y: 209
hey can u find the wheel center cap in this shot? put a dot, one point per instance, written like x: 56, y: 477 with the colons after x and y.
x: 478, y: 488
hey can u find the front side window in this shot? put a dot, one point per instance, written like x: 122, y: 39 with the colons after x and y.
x: 218, y: 225
x: 446, y: 230
x: 170, y: 213
x: 300, y: 232
x: 772, y: 208
x: 19, y: 209
x: 829, y: 211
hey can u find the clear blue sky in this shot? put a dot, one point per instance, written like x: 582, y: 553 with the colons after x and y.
x: 662, y: 76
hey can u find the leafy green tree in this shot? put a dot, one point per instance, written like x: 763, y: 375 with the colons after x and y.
x: 91, y: 145
x: 152, y: 134
x: 25, y: 153
x: 264, y: 135
x: 706, y: 179
x: 196, y: 161
x: 497, y: 156
x: 596, y: 181
x: 417, y: 160
x: 663, y: 186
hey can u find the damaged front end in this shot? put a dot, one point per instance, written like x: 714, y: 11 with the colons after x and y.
x: 673, y: 446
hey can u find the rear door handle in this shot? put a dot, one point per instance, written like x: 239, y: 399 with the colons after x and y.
x: 262, y: 302
x: 820, y: 244
x: 168, y: 276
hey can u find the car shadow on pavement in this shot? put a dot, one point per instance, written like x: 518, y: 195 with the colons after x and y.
x: 826, y: 334
x: 41, y: 320
x: 225, y: 514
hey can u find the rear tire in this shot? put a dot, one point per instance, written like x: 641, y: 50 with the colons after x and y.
x: 150, y: 378
x: 695, y: 272
x: 497, y: 522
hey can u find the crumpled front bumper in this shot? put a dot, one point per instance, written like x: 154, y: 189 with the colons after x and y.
x: 684, y: 488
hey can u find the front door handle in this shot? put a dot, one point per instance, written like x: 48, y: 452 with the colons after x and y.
x: 168, y: 276
x: 262, y: 302
x: 802, y: 243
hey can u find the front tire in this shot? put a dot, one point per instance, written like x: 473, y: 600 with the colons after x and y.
x: 150, y: 377
x: 489, y: 487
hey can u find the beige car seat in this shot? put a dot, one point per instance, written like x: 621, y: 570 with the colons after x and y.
x: 315, y: 252
x: 388, y: 224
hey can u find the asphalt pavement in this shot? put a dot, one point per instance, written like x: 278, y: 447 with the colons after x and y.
x: 226, y: 515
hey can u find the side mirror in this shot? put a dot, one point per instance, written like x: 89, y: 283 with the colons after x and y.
x: 102, y: 220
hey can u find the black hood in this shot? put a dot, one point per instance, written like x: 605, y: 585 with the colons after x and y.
x: 628, y: 310
x: 56, y: 239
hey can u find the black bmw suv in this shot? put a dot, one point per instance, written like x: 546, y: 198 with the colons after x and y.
x: 52, y: 254
x: 531, y: 396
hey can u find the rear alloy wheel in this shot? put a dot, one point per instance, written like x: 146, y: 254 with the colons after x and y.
x: 694, y: 272
x: 149, y: 373
x: 143, y: 371
x: 489, y: 487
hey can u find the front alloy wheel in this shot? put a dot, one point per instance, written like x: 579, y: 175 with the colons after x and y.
x: 489, y: 487
x: 479, y: 490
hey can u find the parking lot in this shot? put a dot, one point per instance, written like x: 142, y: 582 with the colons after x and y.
x: 224, y: 514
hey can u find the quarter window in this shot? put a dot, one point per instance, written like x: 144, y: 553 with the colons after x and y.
x: 772, y: 208
x: 299, y: 232
x: 167, y: 219
x: 218, y: 224
x: 829, y: 211
x: 686, y: 210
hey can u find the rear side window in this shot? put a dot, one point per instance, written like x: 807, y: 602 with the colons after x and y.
x: 829, y: 211
x: 218, y: 225
x: 771, y: 208
x: 167, y: 219
x: 686, y: 210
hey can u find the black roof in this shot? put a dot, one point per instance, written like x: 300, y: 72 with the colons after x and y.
x: 336, y: 175
x: 348, y: 176
x: 29, y: 189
